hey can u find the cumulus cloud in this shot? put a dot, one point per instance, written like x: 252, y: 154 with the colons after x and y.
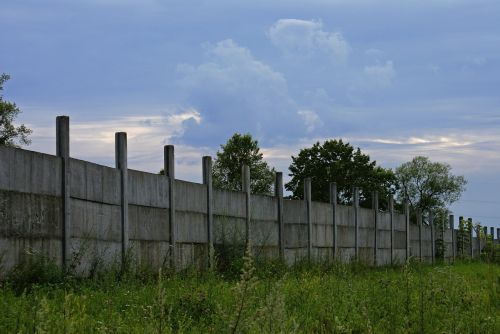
x: 382, y: 75
x: 306, y: 38
x: 235, y: 92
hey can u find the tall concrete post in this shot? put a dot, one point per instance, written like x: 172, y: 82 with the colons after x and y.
x: 355, y: 207
x: 407, y: 226
x: 419, y: 222
x: 498, y: 235
x: 463, y: 226
x: 245, y: 186
x: 492, y: 233
x: 278, y: 193
x: 443, y: 228
x: 308, y: 202
x: 391, y: 224
x: 471, y: 236
x: 62, y: 151
x: 169, y: 168
x: 478, y: 236
x: 375, y: 226
x: 333, y: 202
x: 121, y: 165
x: 207, y: 181
x: 485, y: 232
x: 433, y: 237
x: 453, y: 240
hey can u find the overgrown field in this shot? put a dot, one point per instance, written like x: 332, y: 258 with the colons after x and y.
x: 463, y: 298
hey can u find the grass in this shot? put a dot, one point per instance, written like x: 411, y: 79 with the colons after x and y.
x: 415, y: 298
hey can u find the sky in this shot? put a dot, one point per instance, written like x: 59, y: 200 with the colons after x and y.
x: 395, y: 78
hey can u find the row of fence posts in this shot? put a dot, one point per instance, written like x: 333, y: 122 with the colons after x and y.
x: 63, y: 151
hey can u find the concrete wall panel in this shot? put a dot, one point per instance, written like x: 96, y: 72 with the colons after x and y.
x: 399, y: 222
x: 147, y: 189
x: 229, y: 203
x: 30, y: 172
x: 384, y: 221
x: 15, y: 250
x: 95, y: 221
x: 148, y: 223
x: 191, y: 227
x: 229, y: 229
x: 29, y: 215
x: 294, y: 212
x: 94, y: 182
x: 264, y: 207
x: 345, y: 236
x: 344, y: 215
x: 322, y: 213
x: 366, y: 218
x: 366, y: 237
x: 295, y: 235
x: 322, y: 235
x: 384, y: 239
x: 264, y: 233
x: 399, y: 240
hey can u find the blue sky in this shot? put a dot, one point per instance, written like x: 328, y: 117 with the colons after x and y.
x: 397, y: 78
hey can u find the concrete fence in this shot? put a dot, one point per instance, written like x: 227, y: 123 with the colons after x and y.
x: 87, y: 215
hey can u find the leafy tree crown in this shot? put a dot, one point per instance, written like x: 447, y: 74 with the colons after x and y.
x: 10, y: 135
x: 428, y: 185
x: 242, y: 149
x: 336, y: 161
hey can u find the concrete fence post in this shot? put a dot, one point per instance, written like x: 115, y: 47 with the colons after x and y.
x: 333, y: 202
x: 443, y: 231
x: 207, y: 181
x: 478, y: 236
x: 433, y: 237
x: 169, y: 168
x: 308, y: 202
x: 245, y: 186
x: 463, y: 226
x: 375, y: 226
x: 278, y: 193
x: 485, y: 232
x: 62, y: 151
x: 498, y: 235
x: 492, y: 233
x: 121, y: 165
x: 471, y: 236
x: 451, y: 219
x: 419, y: 222
x: 355, y: 207
x: 391, y: 225
x: 407, y: 228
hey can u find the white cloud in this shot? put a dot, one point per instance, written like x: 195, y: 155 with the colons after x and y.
x: 232, y: 67
x: 382, y: 75
x: 311, y: 119
x: 305, y: 38
x: 235, y: 92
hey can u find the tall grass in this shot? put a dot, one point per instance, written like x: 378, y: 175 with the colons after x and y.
x: 266, y: 298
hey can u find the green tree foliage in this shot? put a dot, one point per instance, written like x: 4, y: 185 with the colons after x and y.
x: 336, y: 161
x: 428, y: 185
x: 11, y: 135
x: 238, y: 150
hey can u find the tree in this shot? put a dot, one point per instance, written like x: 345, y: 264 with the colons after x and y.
x: 336, y: 161
x: 428, y: 185
x: 239, y: 150
x: 11, y: 135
